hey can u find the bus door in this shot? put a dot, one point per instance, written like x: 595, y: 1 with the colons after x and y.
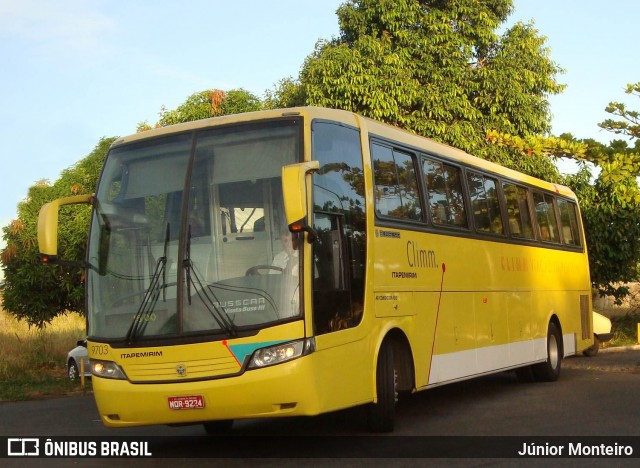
x: 332, y: 304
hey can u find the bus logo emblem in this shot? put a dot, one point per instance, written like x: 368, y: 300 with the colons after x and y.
x: 181, y: 370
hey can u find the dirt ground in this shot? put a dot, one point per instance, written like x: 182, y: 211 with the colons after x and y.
x: 619, y: 359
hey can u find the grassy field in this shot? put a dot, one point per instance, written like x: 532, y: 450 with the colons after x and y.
x: 32, y: 361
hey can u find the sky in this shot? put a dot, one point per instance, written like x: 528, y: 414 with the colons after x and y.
x: 73, y: 71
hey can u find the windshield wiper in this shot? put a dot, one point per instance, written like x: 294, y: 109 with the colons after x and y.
x: 150, y: 299
x: 220, y: 316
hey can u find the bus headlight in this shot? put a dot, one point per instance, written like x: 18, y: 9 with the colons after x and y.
x: 107, y: 370
x: 280, y: 353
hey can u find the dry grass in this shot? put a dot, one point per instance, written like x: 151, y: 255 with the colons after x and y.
x: 625, y: 329
x: 32, y: 361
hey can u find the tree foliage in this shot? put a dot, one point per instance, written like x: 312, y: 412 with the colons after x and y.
x: 612, y: 207
x: 37, y: 292
x: 439, y: 69
x: 609, y: 195
x: 207, y: 104
x: 287, y: 93
x: 612, y: 227
x: 630, y: 123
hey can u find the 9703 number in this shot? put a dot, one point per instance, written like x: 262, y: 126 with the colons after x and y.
x: 99, y: 350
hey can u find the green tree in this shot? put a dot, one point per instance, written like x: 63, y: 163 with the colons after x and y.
x: 37, y: 292
x: 287, y: 93
x: 630, y: 123
x: 609, y: 195
x: 240, y: 100
x: 440, y: 69
x: 611, y: 206
x: 612, y: 227
x: 207, y: 104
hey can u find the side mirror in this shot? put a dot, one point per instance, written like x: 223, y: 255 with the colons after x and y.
x: 294, y: 191
x: 48, y: 225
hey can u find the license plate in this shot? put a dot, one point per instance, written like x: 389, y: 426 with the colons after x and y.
x: 186, y: 402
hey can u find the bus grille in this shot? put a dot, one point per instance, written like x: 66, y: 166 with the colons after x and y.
x: 178, y: 370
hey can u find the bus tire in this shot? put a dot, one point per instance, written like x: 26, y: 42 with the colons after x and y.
x: 218, y: 427
x: 381, y: 415
x: 549, y: 371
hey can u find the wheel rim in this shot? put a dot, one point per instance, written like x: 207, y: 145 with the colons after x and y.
x: 73, y: 374
x: 554, y: 353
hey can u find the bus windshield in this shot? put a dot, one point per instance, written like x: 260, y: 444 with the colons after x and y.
x: 189, y: 237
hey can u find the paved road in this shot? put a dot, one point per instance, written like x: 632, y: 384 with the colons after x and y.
x: 594, y: 397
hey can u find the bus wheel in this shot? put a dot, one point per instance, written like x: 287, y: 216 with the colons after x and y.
x: 218, y: 427
x: 380, y: 415
x: 549, y: 371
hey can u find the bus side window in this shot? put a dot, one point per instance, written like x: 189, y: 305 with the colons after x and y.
x: 569, y: 221
x: 546, y: 217
x: 518, y: 211
x: 396, y: 186
x: 485, y: 204
x: 446, y: 198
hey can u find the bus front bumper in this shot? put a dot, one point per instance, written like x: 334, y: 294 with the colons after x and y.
x: 282, y: 390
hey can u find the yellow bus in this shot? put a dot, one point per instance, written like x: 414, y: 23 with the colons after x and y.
x: 300, y: 261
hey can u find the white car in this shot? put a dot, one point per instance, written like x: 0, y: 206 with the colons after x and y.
x: 75, y: 357
x: 601, y: 333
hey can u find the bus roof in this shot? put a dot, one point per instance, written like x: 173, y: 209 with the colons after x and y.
x: 373, y: 127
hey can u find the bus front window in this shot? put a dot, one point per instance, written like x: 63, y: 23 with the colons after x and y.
x: 164, y: 264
